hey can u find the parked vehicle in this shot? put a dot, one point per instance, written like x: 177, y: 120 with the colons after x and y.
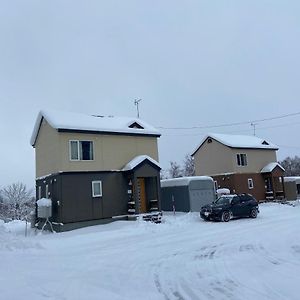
x: 227, y: 207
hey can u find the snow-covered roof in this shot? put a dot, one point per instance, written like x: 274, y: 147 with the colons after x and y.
x: 239, y: 141
x: 183, y: 181
x: 292, y: 179
x: 81, y: 122
x: 138, y: 160
x: 270, y: 167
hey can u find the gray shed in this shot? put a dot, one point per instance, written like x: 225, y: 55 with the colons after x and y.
x: 292, y: 187
x: 187, y: 193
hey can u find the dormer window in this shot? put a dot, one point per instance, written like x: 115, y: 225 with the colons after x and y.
x: 265, y: 143
x: 81, y: 150
x: 136, y: 126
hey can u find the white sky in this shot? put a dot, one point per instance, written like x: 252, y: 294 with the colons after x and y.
x: 198, y: 63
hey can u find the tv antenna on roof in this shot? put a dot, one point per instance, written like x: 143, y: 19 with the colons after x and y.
x: 136, y: 103
x: 253, y: 124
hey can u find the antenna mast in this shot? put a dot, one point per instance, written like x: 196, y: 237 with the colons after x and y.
x: 254, y: 124
x: 136, y: 103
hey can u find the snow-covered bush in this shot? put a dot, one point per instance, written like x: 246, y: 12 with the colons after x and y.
x: 16, y: 202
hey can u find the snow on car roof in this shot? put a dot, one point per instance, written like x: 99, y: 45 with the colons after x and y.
x: 239, y: 141
x: 183, y: 181
x: 96, y: 123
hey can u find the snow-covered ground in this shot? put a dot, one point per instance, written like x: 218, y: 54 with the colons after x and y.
x: 182, y: 258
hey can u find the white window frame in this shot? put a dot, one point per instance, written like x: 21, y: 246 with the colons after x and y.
x: 240, y: 161
x: 70, y: 150
x: 47, y: 191
x: 78, y: 150
x: 250, y: 184
x: 39, y: 192
x: 93, y: 188
x: 216, y: 184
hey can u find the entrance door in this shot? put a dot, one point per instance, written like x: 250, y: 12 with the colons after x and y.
x: 141, y: 191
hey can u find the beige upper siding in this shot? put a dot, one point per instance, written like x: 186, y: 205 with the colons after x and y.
x: 111, y: 152
x: 216, y: 158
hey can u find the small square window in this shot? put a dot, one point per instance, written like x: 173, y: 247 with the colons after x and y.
x: 241, y: 159
x: 250, y: 183
x: 97, y: 188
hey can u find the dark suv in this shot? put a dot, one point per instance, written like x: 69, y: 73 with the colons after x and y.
x: 229, y: 206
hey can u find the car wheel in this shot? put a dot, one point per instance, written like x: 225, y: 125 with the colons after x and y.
x: 225, y: 216
x: 253, y: 213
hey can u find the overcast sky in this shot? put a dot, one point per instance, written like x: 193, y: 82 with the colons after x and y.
x: 193, y: 63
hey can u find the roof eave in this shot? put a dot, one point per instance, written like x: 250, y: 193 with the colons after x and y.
x: 108, y: 132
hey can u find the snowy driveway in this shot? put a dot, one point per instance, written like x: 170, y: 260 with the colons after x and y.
x: 183, y: 258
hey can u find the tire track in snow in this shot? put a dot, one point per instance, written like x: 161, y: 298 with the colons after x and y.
x: 205, y: 270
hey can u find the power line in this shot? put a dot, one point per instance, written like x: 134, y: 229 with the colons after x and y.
x: 231, y: 124
x: 292, y: 147
x: 236, y: 131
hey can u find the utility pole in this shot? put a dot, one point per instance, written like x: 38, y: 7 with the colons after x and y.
x: 253, y: 124
x: 136, y: 103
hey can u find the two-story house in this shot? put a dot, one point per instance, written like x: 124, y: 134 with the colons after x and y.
x: 95, y: 168
x: 243, y: 164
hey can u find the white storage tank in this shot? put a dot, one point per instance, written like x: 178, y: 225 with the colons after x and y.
x: 44, y: 208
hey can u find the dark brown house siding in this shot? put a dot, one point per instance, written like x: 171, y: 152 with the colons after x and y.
x: 74, y: 206
x: 72, y: 199
x: 238, y: 183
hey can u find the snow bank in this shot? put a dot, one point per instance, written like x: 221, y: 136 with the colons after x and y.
x: 182, y: 258
x: 12, y: 236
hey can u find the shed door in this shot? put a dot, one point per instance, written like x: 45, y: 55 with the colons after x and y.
x: 141, y: 190
x: 199, y: 198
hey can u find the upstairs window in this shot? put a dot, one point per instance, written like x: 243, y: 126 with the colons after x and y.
x: 81, y: 150
x: 241, y: 159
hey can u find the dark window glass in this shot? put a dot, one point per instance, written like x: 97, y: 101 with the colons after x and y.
x: 86, y: 151
x: 235, y: 200
x: 241, y: 159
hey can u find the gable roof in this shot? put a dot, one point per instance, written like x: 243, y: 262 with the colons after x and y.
x: 239, y: 141
x: 270, y: 167
x: 138, y: 160
x: 68, y: 121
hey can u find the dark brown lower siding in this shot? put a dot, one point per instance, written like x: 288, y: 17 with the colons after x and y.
x: 238, y: 183
x: 72, y: 198
x: 73, y: 202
